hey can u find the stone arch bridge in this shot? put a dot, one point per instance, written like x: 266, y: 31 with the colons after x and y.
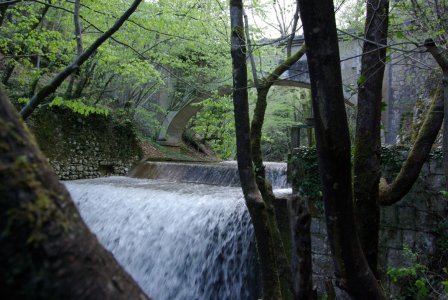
x: 176, y: 121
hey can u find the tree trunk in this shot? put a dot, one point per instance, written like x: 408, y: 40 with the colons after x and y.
x: 367, y: 160
x: 392, y: 193
x: 79, y: 49
x: 47, y: 250
x: 256, y: 206
x: 302, y: 258
x: 3, y: 10
x: 8, y: 72
x: 333, y: 147
x: 78, y: 28
x: 442, y: 60
x: 260, y: 108
x: 283, y: 261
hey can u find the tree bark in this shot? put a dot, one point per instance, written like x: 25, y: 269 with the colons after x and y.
x: 333, y: 147
x: 302, y: 258
x: 79, y: 49
x: 47, y: 250
x: 442, y: 60
x: 256, y: 206
x: 260, y: 108
x: 8, y: 73
x: 59, y: 78
x: 283, y: 261
x: 249, y: 48
x: 78, y: 28
x: 392, y: 193
x: 3, y: 10
x: 367, y: 157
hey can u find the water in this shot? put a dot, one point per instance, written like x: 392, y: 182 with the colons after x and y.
x: 177, y: 240
x: 224, y: 173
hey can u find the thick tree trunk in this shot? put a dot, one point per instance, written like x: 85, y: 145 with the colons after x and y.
x: 302, y: 258
x: 390, y: 194
x: 59, y: 78
x: 333, y: 147
x: 256, y: 206
x: 47, y: 250
x: 367, y: 160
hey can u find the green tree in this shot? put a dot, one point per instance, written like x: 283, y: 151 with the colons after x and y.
x: 40, y: 96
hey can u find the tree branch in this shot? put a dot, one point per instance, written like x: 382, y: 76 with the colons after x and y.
x: 392, y: 193
x: 78, y: 30
x: 59, y: 78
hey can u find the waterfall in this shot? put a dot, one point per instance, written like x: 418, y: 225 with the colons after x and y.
x: 177, y: 240
x: 224, y: 174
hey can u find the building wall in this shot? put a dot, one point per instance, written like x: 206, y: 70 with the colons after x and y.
x: 417, y: 222
x: 408, y: 77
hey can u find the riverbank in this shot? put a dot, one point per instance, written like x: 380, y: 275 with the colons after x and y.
x: 82, y: 147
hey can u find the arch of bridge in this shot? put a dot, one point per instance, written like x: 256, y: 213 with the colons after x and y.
x: 175, y: 122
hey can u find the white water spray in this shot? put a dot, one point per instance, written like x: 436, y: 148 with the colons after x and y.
x: 177, y: 240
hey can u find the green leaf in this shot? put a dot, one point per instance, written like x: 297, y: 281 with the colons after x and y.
x: 361, y: 79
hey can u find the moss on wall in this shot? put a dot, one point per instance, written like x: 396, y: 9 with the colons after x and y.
x: 85, y: 146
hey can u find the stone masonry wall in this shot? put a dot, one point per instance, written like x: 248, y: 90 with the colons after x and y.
x: 417, y: 222
x: 81, y: 147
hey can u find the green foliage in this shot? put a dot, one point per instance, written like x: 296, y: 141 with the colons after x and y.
x: 444, y: 193
x: 286, y: 107
x: 167, y: 48
x: 305, y: 175
x: 417, y: 281
x: 413, y: 284
x: 79, y: 107
x: 361, y: 79
x: 215, y: 125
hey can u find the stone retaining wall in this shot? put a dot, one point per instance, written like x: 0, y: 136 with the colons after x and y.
x: 418, y: 222
x: 85, y: 146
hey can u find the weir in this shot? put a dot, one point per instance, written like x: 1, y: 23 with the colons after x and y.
x: 177, y: 240
x: 223, y: 173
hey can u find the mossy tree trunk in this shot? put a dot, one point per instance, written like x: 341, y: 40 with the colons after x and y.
x: 333, y: 147
x: 257, y: 207
x: 302, y: 263
x: 283, y: 260
x: 367, y: 160
x: 47, y: 250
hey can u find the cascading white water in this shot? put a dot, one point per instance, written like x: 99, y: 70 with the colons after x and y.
x: 178, y: 240
x: 223, y: 173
